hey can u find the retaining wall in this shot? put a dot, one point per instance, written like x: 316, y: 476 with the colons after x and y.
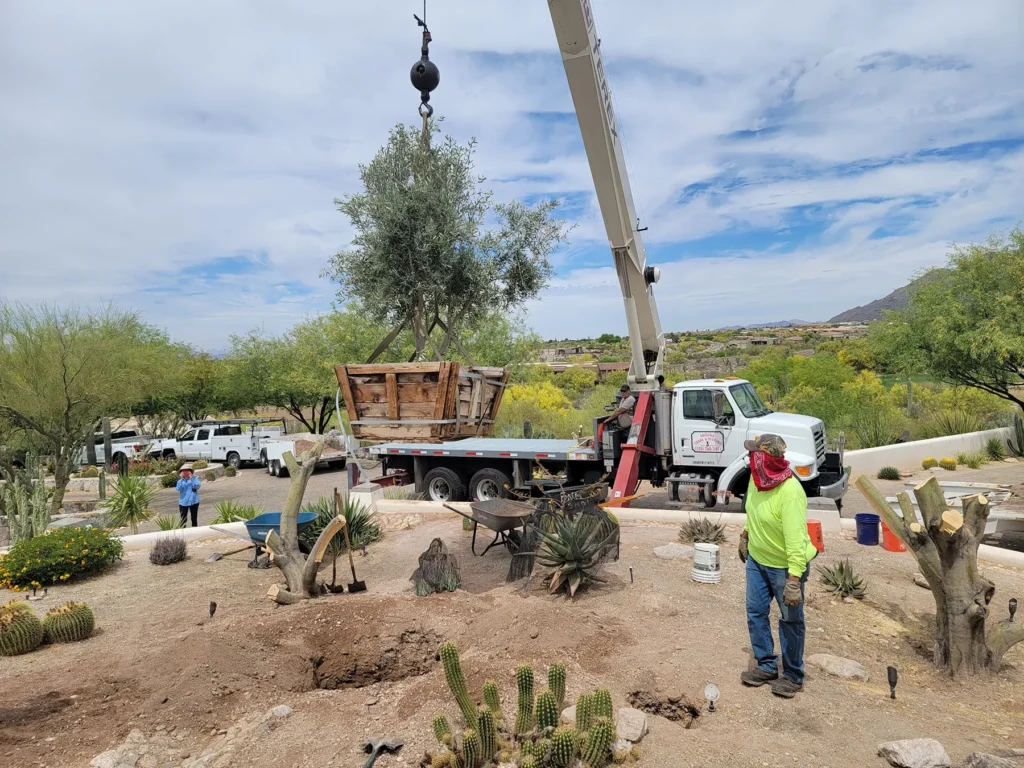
x: 868, y: 461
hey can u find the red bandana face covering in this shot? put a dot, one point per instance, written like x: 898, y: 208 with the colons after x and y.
x: 768, y: 471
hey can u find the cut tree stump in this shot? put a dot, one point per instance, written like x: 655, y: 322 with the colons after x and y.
x: 438, y: 571
x: 946, y: 549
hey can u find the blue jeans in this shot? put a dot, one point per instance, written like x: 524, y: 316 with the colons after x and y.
x: 764, y: 585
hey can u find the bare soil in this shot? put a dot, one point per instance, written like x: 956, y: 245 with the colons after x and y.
x: 354, y: 666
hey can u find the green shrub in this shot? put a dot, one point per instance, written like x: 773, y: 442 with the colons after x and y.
x: 169, y: 480
x: 954, y: 421
x: 90, y: 472
x: 963, y: 457
x: 59, y: 555
x: 169, y: 523
x: 975, y: 460
x: 230, y: 471
x: 168, y: 551
x: 129, y: 506
x: 995, y: 449
x: 201, y: 464
x: 231, y: 511
x: 888, y: 473
x: 209, y: 477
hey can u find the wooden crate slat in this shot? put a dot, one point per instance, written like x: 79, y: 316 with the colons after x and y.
x: 391, y: 385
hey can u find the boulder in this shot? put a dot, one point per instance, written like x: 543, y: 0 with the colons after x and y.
x: 981, y: 760
x: 630, y: 724
x: 673, y: 551
x: 838, y: 666
x: 915, y: 753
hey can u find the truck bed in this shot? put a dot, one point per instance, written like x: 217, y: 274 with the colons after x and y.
x: 492, y: 448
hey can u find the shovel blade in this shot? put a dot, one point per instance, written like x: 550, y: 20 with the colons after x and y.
x: 359, y: 586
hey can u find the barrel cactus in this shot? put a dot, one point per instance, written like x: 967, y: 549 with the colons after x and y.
x: 529, y: 761
x: 443, y: 731
x: 556, y: 682
x: 603, y: 703
x: 584, y: 712
x: 563, y: 746
x: 68, y: 623
x: 547, y: 710
x: 599, y: 743
x: 457, y: 682
x: 929, y: 463
x: 21, y: 630
x: 948, y: 463
x: 491, y: 698
x: 524, y: 711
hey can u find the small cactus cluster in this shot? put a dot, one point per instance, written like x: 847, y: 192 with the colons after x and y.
x: 929, y: 463
x: 948, y: 463
x: 68, y: 623
x: 536, y: 739
x: 21, y: 630
x: 888, y: 473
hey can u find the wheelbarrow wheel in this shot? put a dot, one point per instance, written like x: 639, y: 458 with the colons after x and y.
x: 513, y: 541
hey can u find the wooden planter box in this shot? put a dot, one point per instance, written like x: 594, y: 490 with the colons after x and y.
x: 424, y: 402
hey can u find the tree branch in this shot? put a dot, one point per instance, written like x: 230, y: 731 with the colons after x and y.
x: 388, y: 340
x: 1002, y: 637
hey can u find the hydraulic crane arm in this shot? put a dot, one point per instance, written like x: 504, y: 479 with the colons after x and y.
x: 591, y: 96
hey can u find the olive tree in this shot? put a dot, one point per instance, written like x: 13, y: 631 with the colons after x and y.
x: 62, y: 370
x: 432, y: 249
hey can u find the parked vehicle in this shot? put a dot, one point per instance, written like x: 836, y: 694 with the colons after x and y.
x: 125, y: 444
x: 222, y: 440
x: 274, y: 450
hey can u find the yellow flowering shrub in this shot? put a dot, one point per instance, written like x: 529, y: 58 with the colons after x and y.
x: 58, y: 556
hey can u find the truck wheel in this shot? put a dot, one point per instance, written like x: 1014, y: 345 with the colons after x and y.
x: 169, y: 456
x: 272, y: 468
x: 707, y: 497
x: 121, y: 464
x: 444, y: 484
x: 282, y: 469
x: 263, y: 458
x: 234, y: 460
x: 489, y: 484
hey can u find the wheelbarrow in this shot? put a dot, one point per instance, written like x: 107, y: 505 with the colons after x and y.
x: 501, y: 516
x: 260, y: 527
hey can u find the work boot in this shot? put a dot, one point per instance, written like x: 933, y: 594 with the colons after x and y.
x: 786, y: 688
x: 757, y: 677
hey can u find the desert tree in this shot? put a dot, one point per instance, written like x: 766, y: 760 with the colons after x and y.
x: 432, y: 249
x: 62, y: 370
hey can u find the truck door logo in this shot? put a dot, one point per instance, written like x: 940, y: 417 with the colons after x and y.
x: 707, y: 442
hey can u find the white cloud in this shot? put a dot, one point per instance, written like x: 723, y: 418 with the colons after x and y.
x: 141, y: 142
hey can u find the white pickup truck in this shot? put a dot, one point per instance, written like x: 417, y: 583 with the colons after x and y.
x: 275, y: 449
x: 125, y: 444
x: 225, y: 441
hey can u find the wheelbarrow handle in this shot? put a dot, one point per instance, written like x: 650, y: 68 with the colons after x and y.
x: 458, y: 512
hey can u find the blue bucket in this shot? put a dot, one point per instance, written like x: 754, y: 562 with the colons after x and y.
x: 867, y: 529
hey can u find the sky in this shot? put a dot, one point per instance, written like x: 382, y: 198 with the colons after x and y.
x: 789, y: 160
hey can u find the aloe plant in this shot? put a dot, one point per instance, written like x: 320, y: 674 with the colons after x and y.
x: 843, y: 580
x: 575, y: 550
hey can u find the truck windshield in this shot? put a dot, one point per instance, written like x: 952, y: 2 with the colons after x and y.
x: 747, y: 399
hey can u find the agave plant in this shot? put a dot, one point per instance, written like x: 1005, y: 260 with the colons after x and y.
x: 702, y: 531
x: 888, y: 473
x: 843, y: 580
x: 169, y: 523
x: 362, y: 528
x: 996, y: 449
x: 575, y: 550
x: 231, y: 511
x: 129, y: 506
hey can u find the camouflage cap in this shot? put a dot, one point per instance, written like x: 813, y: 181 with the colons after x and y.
x: 771, y: 444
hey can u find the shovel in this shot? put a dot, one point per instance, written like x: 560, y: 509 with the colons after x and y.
x: 356, y: 585
x: 376, y: 745
x: 218, y: 555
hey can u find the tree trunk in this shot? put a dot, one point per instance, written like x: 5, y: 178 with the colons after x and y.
x: 946, y: 549
x: 61, y: 477
x: 299, y: 572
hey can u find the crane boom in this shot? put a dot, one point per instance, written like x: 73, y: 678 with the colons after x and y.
x: 581, y: 56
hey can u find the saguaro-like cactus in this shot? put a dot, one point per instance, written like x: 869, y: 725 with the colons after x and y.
x: 524, y: 710
x: 603, y: 703
x: 488, y: 733
x: 563, y: 746
x: 491, y: 698
x: 599, y: 741
x: 547, y: 710
x: 443, y: 731
x: 556, y: 682
x: 584, y: 712
x: 471, y: 749
x: 457, y: 682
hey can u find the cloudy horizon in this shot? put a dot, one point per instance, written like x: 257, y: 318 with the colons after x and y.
x: 183, y: 159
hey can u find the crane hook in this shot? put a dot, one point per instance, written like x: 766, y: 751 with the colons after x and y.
x: 425, y: 75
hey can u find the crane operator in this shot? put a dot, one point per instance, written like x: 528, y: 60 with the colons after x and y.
x: 624, y: 413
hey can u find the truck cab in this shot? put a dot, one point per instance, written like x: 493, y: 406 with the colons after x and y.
x: 711, y: 419
x: 218, y: 440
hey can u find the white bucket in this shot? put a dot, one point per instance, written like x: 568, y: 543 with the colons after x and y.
x: 706, y: 566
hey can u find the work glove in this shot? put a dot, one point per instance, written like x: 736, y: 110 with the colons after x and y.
x: 743, y: 547
x: 791, y: 595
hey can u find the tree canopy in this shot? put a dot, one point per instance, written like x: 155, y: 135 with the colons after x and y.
x: 965, y: 324
x: 432, y: 249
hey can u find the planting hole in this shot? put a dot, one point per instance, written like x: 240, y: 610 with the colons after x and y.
x: 388, y: 659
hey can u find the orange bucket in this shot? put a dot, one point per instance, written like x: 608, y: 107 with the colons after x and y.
x: 891, y: 541
x: 814, y: 531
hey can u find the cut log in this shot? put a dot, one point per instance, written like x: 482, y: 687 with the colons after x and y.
x: 438, y: 571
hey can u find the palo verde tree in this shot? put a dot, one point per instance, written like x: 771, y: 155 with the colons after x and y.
x: 61, y: 370
x: 196, y: 389
x: 965, y: 322
x: 426, y: 254
x: 946, y: 549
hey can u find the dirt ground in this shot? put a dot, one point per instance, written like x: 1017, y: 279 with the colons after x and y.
x: 353, y: 666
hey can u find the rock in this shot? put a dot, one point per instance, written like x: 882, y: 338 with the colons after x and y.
x: 621, y: 749
x: 838, y: 666
x: 673, y: 551
x: 534, y: 633
x: 630, y: 724
x: 915, y: 753
x: 281, y: 710
x: 921, y: 581
x: 569, y: 715
x: 1010, y: 460
x: 981, y: 760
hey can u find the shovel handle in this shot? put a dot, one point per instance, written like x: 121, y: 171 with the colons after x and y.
x: 371, y: 759
x: 351, y: 563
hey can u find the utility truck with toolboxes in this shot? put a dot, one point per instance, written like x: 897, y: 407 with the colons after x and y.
x: 689, y: 436
x: 231, y: 441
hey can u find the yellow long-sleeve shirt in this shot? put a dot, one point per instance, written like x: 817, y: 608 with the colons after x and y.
x: 777, y: 527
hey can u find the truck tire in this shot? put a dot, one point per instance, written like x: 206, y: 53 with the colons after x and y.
x: 169, y: 455
x: 234, y: 460
x: 272, y: 468
x: 263, y: 458
x: 120, y: 463
x: 489, y: 484
x: 444, y: 484
x: 707, y: 498
x: 282, y: 469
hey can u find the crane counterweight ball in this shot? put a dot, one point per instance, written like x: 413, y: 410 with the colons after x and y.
x: 425, y: 77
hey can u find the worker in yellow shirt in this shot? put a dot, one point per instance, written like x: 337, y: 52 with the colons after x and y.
x: 777, y: 551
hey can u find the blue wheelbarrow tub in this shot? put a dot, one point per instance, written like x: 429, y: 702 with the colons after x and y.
x: 261, y: 525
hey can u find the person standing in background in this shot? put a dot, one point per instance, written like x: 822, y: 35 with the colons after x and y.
x: 188, y: 495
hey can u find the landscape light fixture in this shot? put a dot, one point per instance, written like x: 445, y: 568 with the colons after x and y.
x: 893, y: 679
x: 1013, y: 608
x: 711, y: 693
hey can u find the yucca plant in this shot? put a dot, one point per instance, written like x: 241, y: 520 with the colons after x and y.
x: 362, y: 528
x: 129, y: 506
x: 995, y: 449
x: 888, y: 473
x: 575, y: 550
x: 963, y: 457
x: 702, y: 531
x: 843, y: 580
x: 169, y: 523
x: 975, y: 460
x: 1016, y: 443
x: 231, y: 511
